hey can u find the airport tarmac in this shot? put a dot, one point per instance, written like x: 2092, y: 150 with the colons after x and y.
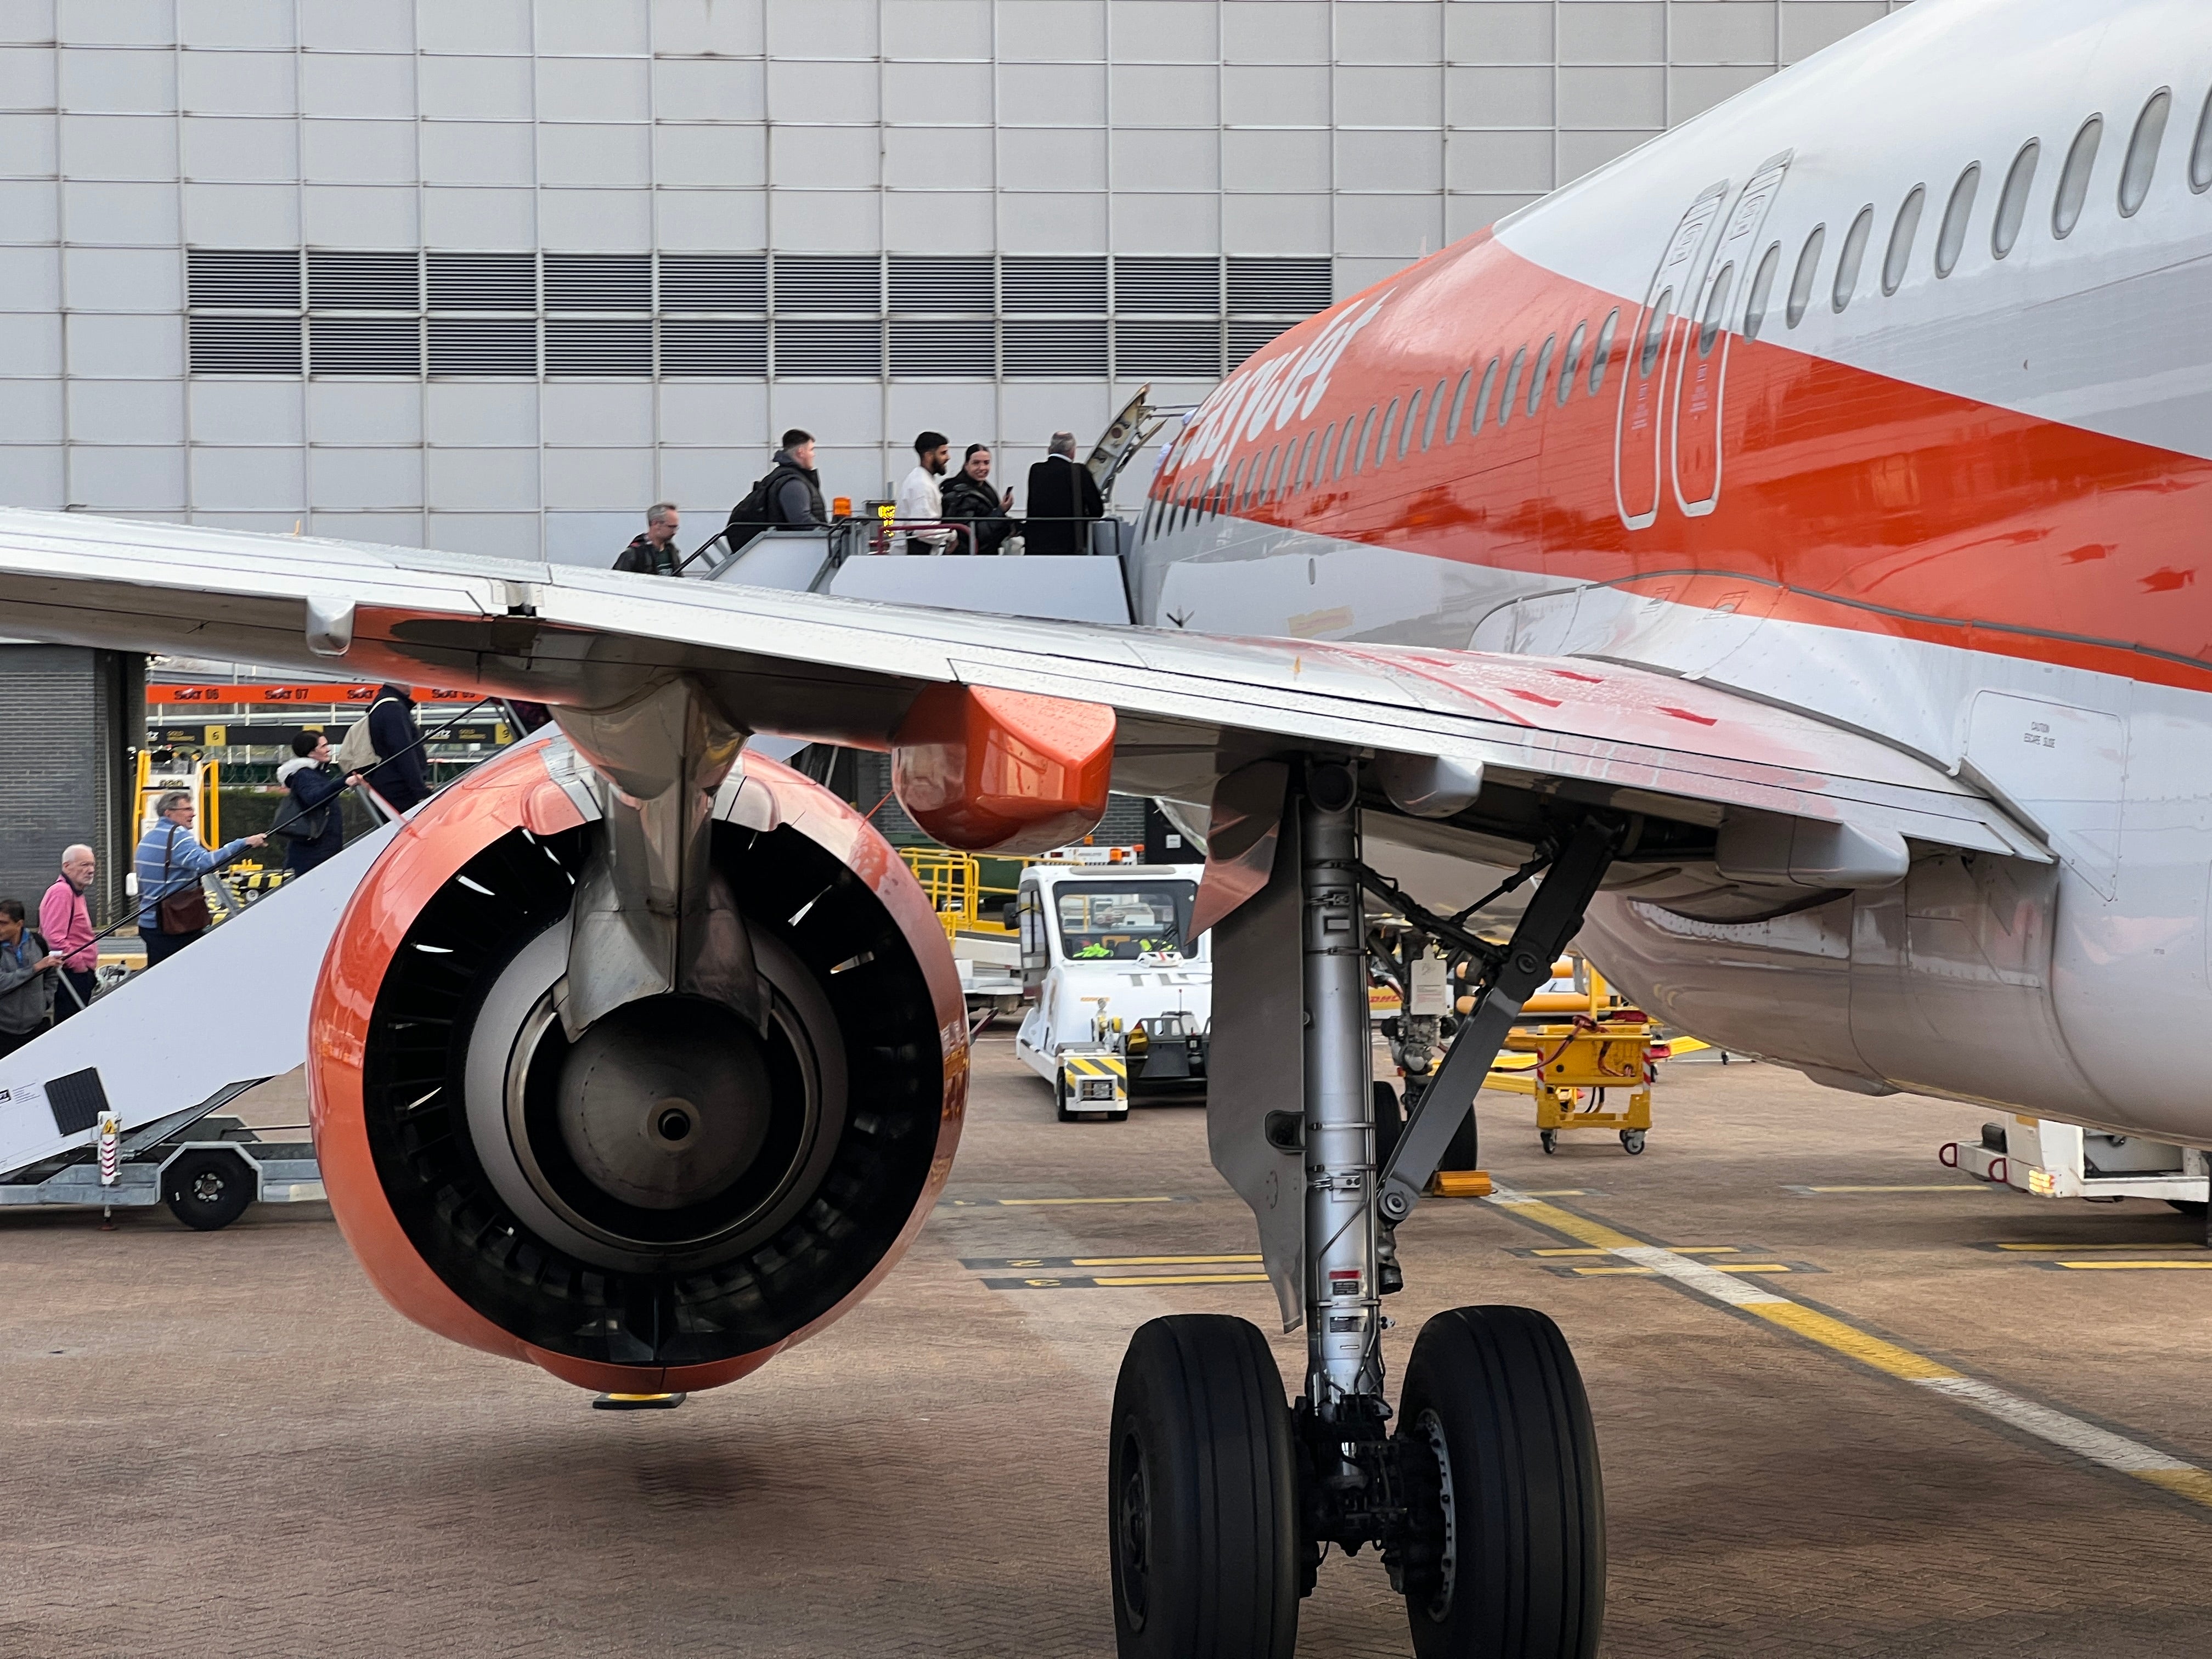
x: 1902, y: 1438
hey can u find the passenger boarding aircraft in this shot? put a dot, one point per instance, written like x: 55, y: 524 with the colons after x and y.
x: 1786, y: 538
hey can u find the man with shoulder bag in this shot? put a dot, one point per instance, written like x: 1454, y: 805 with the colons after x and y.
x: 27, y: 979
x: 173, y: 911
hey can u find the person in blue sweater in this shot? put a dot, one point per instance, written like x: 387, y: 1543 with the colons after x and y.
x: 171, y: 861
x: 316, y: 804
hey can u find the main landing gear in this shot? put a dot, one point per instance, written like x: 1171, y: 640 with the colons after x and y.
x: 1482, y: 1491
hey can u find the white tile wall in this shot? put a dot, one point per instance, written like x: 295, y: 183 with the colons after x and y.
x: 1367, y: 131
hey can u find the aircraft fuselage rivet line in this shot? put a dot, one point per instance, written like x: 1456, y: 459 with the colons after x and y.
x: 2071, y: 1434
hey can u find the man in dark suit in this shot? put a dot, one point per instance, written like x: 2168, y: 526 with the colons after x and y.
x: 1061, y: 492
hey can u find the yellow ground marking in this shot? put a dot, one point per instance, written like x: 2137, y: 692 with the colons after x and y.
x: 2056, y: 1247
x: 2134, y: 1266
x: 1154, y: 1261
x: 981, y: 1203
x: 1184, y: 1278
x: 1678, y: 1249
x: 1923, y: 1187
x: 1646, y: 1272
x: 2046, y: 1423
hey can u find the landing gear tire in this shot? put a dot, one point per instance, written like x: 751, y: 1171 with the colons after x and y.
x: 1390, y: 1121
x: 1631, y: 1142
x: 207, y: 1191
x: 1204, y: 1529
x: 1495, y: 1394
x: 1549, y: 1138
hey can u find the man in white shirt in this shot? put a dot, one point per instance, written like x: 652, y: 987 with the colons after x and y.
x: 919, y: 497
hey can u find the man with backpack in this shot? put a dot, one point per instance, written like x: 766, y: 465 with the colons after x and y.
x: 385, y: 750
x: 654, y: 554
x: 789, y: 494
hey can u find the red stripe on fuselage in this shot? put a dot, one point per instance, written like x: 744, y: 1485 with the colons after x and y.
x: 1848, y: 499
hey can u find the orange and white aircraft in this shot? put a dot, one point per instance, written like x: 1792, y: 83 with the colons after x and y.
x: 1785, y: 539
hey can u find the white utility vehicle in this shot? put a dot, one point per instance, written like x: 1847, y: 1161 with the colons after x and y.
x: 1122, y: 994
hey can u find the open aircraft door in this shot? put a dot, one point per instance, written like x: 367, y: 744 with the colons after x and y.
x: 1701, y: 360
x: 1636, y: 433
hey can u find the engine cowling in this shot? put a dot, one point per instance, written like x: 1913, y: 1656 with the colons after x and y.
x: 671, y: 1200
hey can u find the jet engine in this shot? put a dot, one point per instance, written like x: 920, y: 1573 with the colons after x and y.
x: 664, y: 1200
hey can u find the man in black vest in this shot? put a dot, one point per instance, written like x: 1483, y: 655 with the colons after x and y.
x: 1063, y: 497
x: 654, y: 554
x: 790, y: 493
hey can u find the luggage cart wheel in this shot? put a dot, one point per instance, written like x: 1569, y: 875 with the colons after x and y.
x: 1631, y: 1141
x: 208, y: 1190
x: 1550, y: 1138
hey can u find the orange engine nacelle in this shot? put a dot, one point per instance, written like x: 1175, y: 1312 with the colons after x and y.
x: 770, y: 1177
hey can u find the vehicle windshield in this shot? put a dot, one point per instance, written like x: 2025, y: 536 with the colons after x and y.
x: 1120, y: 921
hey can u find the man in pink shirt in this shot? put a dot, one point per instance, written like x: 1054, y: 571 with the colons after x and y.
x: 66, y: 920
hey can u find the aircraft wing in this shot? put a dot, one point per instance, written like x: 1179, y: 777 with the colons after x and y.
x: 1191, y: 706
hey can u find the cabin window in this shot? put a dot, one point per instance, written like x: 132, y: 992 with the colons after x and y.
x: 1951, y: 240
x: 1343, y: 448
x: 1268, y: 478
x: 1512, y: 386
x: 1321, y: 455
x: 1571, y: 361
x: 1412, y: 420
x: 1542, y: 377
x: 1361, y: 451
x: 1459, y: 405
x: 1235, y: 494
x: 1436, y: 408
x: 1849, y: 261
x: 1482, y: 397
x: 1800, y: 282
x: 2073, y: 181
x: 2012, y: 205
x: 1603, y: 354
x: 2143, y: 152
x: 1655, y: 333
x: 1382, y: 434
x: 1901, y: 235
x: 1297, y: 477
x: 1762, y: 289
x: 2200, y: 153
x: 1716, y: 306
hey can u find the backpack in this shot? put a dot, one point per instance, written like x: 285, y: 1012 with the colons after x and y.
x: 757, y: 512
x: 357, y: 753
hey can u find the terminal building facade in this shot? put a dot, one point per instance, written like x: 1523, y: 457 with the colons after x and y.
x: 495, y: 276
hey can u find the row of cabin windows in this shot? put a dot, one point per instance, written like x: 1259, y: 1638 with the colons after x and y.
x: 1296, y: 466
x: 1385, y: 433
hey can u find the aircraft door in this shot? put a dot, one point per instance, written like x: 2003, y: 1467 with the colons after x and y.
x: 1636, y: 454
x: 1701, y: 371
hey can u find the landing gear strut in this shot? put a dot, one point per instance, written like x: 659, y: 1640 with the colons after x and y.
x: 1482, y: 1491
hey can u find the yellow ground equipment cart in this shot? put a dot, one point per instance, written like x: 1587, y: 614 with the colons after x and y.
x: 1575, y: 1066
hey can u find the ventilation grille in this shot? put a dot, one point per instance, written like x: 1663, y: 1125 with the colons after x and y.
x: 341, y: 281
x: 484, y: 281
x: 713, y: 281
x: 598, y: 282
x: 244, y: 279
x: 946, y: 347
x: 829, y: 347
x: 1191, y: 349
x: 1069, y: 349
x: 1168, y: 284
x: 1246, y: 338
x: 961, y: 282
x: 828, y: 281
x: 712, y: 348
x: 491, y: 346
x: 1288, y: 287
x: 364, y: 345
x: 245, y: 345
x: 1054, y: 283
x: 613, y: 345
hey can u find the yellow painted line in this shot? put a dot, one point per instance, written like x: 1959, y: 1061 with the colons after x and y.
x: 1678, y: 1249
x: 980, y: 1203
x: 2134, y: 1266
x: 1922, y: 1187
x: 1154, y: 1261
x: 1184, y: 1278
x: 2072, y: 1434
x: 2055, y: 1248
x: 1646, y: 1272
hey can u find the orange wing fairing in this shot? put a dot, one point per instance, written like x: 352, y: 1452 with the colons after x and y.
x: 992, y: 771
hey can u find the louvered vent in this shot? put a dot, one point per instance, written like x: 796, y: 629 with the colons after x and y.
x: 488, y: 346
x: 1034, y: 349
x: 245, y: 345
x: 610, y: 345
x: 828, y: 281
x: 1168, y: 284
x: 364, y: 345
x: 341, y: 280
x: 1246, y: 338
x: 824, y: 347
x: 713, y: 281
x: 950, y: 282
x: 690, y: 347
x: 484, y: 281
x: 598, y: 282
x: 942, y: 348
x: 1290, y: 287
x: 1073, y: 282
x: 1191, y: 349
x: 243, y: 279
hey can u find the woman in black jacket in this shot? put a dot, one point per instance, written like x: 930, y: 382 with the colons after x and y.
x: 312, y: 818
x: 967, y: 497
